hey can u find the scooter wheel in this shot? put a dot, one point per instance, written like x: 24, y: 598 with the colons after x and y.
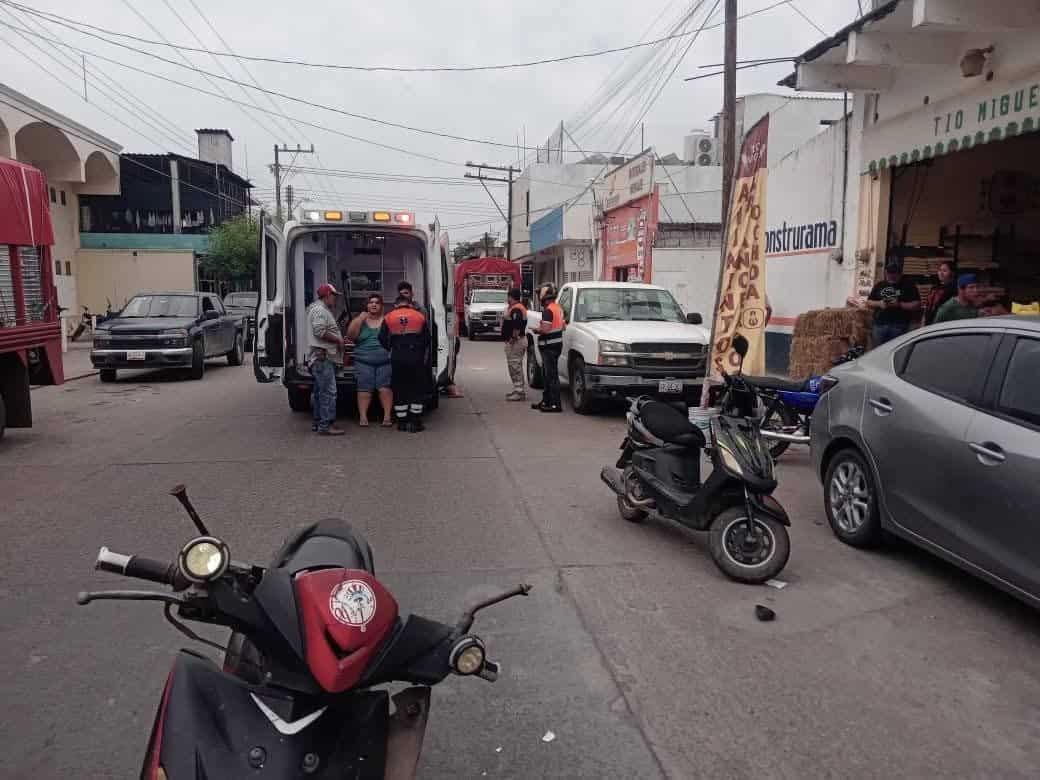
x: 752, y: 558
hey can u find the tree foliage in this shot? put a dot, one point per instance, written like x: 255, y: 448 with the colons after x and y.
x: 234, y: 248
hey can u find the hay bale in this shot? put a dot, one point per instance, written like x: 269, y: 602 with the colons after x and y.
x: 821, y: 336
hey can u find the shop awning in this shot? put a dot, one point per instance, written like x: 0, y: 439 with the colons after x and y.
x: 25, y: 216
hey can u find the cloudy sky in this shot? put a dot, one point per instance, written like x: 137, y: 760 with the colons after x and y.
x: 601, y: 99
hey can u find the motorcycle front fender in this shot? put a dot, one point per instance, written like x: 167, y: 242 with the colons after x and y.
x: 767, y: 505
x: 407, y: 729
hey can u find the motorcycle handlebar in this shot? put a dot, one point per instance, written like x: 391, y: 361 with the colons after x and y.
x: 137, y: 566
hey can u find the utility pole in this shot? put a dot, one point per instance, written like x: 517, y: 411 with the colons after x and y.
x: 277, y: 171
x: 487, y: 244
x: 288, y: 201
x: 729, y: 113
x: 509, y: 182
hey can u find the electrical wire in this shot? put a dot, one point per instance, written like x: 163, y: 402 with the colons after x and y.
x: 181, y: 137
x: 75, y: 91
x: 802, y: 14
x: 324, y: 128
x: 123, y: 158
x: 390, y: 68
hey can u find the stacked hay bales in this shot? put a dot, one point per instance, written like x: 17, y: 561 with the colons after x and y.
x: 822, y: 336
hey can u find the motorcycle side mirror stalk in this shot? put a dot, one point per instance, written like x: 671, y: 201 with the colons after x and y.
x: 181, y: 494
x: 466, y: 621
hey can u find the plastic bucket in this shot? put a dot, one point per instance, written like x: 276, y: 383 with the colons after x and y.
x: 702, y: 418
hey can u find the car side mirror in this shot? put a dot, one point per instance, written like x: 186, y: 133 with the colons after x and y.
x: 210, y: 315
x: 694, y: 319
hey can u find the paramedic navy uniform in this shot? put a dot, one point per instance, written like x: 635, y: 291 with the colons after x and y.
x: 550, y: 345
x: 405, y: 335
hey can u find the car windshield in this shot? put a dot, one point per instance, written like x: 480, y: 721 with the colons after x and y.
x: 162, y: 306
x: 241, y: 299
x: 489, y: 296
x: 626, y: 303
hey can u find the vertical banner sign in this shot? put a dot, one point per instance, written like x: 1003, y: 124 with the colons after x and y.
x: 741, y: 299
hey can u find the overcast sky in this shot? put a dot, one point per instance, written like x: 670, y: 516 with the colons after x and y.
x: 493, y: 105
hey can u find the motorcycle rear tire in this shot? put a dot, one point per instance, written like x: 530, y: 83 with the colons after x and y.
x: 742, y: 572
x: 788, y: 418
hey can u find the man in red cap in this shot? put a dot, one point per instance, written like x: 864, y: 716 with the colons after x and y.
x: 324, y: 352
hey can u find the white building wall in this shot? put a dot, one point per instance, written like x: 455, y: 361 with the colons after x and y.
x: 804, y: 189
x: 690, y: 275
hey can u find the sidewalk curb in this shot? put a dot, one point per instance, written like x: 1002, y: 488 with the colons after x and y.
x: 67, y: 379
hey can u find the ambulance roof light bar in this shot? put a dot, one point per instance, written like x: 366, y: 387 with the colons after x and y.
x: 402, y: 218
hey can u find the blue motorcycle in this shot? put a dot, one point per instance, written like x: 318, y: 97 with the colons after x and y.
x: 787, y: 406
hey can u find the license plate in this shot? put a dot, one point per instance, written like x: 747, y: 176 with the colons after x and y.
x: 136, y: 354
x: 669, y: 386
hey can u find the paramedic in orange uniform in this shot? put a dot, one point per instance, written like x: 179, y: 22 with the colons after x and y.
x: 405, y: 336
x: 550, y: 345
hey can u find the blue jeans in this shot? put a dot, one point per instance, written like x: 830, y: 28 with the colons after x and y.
x: 323, y: 396
x: 883, y: 333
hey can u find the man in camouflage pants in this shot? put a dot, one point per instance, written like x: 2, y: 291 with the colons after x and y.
x: 514, y: 333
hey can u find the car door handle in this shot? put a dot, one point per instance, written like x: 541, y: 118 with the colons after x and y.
x: 989, y: 454
x: 882, y: 406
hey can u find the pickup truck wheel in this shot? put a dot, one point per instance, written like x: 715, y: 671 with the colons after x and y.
x: 581, y: 398
x: 237, y: 353
x: 534, y: 371
x: 198, y: 360
x: 107, y: 375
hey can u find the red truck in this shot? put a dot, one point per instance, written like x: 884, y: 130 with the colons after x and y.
x: 30, y: 333
x: 480, y: 293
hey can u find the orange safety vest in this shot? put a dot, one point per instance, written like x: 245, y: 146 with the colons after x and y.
x: 404, y: 320
x: 555, y: 335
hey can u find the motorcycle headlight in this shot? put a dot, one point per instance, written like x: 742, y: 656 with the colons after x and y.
x: 612, y: 353
x: 467, y: 657
x: 730, y: 461
x: 204, y: 559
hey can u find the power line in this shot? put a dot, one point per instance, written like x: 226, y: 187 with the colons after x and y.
x: 392, y: 68
x: 324, y: 128
x: 75, y: 91
x: 209, y: 76
x: 122, y: 158
x: 177, y: 134
x: 799, y: 11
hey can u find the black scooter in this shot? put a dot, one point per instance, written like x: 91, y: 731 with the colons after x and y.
x: 659, y: 471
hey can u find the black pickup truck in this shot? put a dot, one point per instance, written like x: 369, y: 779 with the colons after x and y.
x: 168, y: 330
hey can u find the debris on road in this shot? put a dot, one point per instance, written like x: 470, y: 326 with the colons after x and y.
x: 498, y: 749
x: 763, y: 613
x: 548, y: 737
x: 778, y: 584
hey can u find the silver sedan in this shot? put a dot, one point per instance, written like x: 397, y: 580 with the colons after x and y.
x: 935, y: 437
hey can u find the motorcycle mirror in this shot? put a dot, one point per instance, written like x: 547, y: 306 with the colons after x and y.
x: 181, y: 494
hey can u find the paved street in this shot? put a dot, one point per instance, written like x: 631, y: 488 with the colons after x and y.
x: 633, y: 649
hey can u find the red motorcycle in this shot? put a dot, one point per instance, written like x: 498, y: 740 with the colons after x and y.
x: 312, y: 634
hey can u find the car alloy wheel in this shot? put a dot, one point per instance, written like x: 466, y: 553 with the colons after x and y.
x: 849, y: 496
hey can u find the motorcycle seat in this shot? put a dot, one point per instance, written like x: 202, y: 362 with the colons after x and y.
x: 774, y: 383
x: 670, y: 425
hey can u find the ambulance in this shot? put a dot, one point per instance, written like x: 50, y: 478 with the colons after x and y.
x: 359, y: 253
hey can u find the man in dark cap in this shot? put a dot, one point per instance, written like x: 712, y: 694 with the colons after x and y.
x: 894, y: 300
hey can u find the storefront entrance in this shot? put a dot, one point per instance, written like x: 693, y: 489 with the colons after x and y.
x: 978, y: 207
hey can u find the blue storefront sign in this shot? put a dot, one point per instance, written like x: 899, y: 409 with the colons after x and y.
x: 547, y: 231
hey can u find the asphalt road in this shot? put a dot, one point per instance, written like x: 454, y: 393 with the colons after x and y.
x: 632, y: 648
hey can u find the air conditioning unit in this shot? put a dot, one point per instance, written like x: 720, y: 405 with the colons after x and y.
x: 707, y: 152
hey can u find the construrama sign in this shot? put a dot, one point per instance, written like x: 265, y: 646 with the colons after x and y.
x: 799, y: 238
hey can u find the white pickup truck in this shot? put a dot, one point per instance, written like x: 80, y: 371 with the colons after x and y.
x: 625, y: 339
